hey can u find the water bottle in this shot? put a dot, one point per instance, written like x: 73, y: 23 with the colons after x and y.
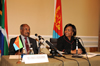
x: 23, y: 52
x: 31, y: 51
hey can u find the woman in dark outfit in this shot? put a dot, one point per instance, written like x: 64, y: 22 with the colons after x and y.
x: 67, y: 42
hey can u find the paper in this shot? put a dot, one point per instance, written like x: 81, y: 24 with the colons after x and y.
x: 15, y: 57
x: 38, y: 58
x: 89, y: 54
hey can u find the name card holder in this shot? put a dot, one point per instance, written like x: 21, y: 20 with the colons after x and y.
x: 36, y: 58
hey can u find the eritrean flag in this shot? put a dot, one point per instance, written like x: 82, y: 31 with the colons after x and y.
x: 3, y: 28
x: 17, y: 44
x: 57, y: 30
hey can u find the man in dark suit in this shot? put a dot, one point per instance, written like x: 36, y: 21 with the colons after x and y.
x: 25, y: 32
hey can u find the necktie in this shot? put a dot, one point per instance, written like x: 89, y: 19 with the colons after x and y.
x: 26, y: 44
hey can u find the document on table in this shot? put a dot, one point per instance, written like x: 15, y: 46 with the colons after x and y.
x: 89, y: 54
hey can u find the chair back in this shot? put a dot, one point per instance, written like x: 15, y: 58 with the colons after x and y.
x: 54, y: 42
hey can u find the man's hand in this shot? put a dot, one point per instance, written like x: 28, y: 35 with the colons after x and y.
x: 18, y: 53
x: 0, y: 12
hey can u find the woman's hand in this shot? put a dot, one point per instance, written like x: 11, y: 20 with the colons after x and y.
x: 74, y: 51
x: 79, y: 51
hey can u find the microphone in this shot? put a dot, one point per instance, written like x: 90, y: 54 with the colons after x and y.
x: 39, y: 36
x: 39, y: 41
x: 76, y: 55
x: 51, y: 45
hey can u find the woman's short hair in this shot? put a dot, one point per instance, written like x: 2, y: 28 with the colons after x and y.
x: 73, y: 27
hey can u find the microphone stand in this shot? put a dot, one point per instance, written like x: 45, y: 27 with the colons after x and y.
x: 39, y: 42
x: 54, y: 52
x: 39, y: 46
x: 76, y: 55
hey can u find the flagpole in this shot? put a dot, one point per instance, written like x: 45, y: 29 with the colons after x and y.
x: 54, y: 7
x: 19, y: 60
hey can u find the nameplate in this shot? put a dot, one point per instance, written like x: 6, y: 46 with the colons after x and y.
x: 15, y: 57
x: 36, y: 58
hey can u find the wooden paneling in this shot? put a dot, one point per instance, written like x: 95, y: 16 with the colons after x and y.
x: 99, y: 40
x: 99, y: 30
x: 93, y: 49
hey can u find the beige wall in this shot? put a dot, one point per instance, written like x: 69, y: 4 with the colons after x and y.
x: 39, y: 14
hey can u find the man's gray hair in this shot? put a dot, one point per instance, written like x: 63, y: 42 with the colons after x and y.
x: 21, y: 26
